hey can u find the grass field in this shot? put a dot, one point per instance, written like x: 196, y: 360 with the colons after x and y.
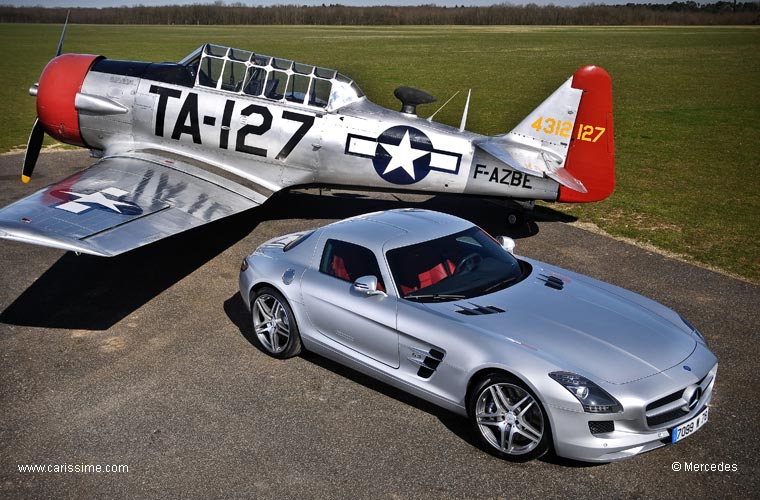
x: 687, y: 106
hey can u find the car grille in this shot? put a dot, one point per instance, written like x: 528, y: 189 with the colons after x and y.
x: 658, y: 420
x: 671, y: 407
x: 601, y: 426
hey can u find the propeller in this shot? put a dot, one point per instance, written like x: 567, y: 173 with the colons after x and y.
x: 34, y: 146
x: 63, y: 34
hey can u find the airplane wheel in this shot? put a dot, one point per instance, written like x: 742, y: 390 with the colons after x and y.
x: 274, y: 324
x: 515, y: 218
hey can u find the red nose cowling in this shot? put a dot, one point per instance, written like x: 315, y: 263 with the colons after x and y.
x: 60, y: 82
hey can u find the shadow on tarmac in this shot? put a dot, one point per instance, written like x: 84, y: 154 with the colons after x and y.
x: 94, y: 293
x: 236, y: 311
x: 238, y: 314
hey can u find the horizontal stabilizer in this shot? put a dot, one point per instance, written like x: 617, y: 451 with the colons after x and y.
x: 566, y: 179
x: 499, y: 149
x: 124, y: 202
x: 531, y: 161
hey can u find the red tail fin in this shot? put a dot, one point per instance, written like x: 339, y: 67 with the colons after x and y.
x: 591, y: 156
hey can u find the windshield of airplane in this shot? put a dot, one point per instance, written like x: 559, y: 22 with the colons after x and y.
x: 462, y: 265
x: 247, y: 73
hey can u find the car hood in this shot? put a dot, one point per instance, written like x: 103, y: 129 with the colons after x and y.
x: 581, y: 326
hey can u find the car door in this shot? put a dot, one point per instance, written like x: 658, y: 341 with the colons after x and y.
x: 363, y: 323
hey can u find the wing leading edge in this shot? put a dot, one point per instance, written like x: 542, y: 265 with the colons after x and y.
x: 124, y: 202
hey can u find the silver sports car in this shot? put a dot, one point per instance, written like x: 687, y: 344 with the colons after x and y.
x: 533, y: 355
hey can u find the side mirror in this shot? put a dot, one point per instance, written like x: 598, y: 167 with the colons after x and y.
x: 506, y: 243
x: 367, y: 285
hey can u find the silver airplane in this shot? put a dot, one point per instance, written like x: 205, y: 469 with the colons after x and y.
x: 183, y: 144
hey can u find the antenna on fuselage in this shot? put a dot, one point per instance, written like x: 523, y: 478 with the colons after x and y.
x: 430, y: 118
x: 466, y: 109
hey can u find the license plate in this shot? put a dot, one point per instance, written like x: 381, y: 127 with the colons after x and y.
x: 687, y: 429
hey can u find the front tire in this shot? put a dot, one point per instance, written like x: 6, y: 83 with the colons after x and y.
x: 508, y: 419
x: 274, y: 324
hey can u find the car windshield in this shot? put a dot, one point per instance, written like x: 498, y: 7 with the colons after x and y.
x: 458, y: 266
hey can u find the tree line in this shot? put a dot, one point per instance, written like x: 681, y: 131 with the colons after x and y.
x: 675, y: 13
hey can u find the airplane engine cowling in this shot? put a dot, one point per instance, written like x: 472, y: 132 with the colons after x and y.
x: 59, y: 83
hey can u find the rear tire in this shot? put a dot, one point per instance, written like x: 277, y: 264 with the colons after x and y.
x: 508, y: 420
x: 274, y: 324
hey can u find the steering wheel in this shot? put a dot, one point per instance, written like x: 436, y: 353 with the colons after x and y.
x: 468, y: 263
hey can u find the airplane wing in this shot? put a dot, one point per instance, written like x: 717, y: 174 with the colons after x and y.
x: 123, y: 202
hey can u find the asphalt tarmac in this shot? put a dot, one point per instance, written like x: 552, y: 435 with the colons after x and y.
x: 146, y: 360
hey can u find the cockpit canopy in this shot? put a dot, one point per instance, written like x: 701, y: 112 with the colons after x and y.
x: 242, y: 72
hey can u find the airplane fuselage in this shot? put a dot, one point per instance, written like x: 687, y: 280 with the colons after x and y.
x: 359, y: 144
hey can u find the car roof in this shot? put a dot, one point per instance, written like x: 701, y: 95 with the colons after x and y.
x: 397, y: 228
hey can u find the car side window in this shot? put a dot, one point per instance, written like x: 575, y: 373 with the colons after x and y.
x: 348, y: 262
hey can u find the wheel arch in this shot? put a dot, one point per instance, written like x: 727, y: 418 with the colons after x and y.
x: 263, y: 284
x: 484, y: 372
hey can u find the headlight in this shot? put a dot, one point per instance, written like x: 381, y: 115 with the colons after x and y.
x: 593, y: 398
x: 693, y: 329
x: 244, y: 265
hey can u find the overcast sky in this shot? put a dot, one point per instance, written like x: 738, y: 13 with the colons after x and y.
x: 119, y: 3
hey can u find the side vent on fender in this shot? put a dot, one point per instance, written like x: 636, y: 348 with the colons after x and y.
x: 552, y: 281
x: 428, y: 361
x: 478, y: 310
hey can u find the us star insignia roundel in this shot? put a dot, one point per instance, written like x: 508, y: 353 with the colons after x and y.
x: 403, y: 155
x: 77, y: 203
